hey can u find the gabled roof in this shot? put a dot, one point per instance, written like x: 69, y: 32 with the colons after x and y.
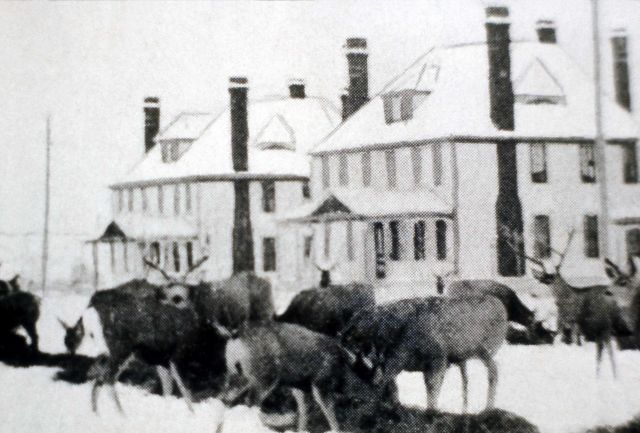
x: 457, y: 105
x: 295, y: 125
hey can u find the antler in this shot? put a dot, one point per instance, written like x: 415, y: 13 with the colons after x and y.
x: 158, y: 268
x: 508, y: 239
x: 195, y: 266
x: 563, y: 254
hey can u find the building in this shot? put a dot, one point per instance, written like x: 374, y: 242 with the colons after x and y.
x: 177, y: 204
x: 471, y: 147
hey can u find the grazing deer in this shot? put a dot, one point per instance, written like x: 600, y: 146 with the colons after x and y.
x: 590, y: 311
x: 631, y: 281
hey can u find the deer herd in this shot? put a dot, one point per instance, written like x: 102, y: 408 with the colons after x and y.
x: 334, y: 338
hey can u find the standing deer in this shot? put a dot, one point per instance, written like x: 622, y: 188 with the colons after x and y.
x: 631, y: 281
x: 591, y: 311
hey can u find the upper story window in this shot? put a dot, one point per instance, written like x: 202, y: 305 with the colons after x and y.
x: 587, y: 163
x: 394, y: 232
x: 308, y: 246
x: 187, y: 197
x: 172, y: 150
x: 268, y: 196
x: 541, y: 237
x: 441, y: 240
x: 416, y: 163
x: 419, y: 237
x: 400, y: 105
x: 538, y: 157
x: 176, y: 257
x: 436, y: 149
x: 390, y: 159
x: 591, y: 248
x: 145, y: 203
x: 189, y: 249
x: 630, y: 163
x: 366, y: 168
x: 326, y: 173
x: 160, y: 200
x: 269, y: 254
x: 343, y: 172
x: 176, y: 199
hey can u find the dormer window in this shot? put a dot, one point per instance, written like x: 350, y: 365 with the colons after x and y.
x: 399, y: 105
x: 172, y: 150
x: 536, y: 86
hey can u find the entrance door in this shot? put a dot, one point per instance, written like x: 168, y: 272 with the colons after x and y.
x: 378, y: 237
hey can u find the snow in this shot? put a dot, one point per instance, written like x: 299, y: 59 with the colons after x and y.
x: 554, y: 387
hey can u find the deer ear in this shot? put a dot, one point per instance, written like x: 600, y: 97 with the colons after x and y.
x: 634, y: 264
x: 612, y: 271
x: 64, y: 324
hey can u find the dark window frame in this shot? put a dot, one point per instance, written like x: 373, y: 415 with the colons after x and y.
x: 343, y: 169
x: 441, y: 240
x: 588, y: 172
x: 541, y: 236
x: 419, y: 240
x: 306, y: 189
x: 269, y: 254
x: 268, y: 196
x: 395, y: 243
x: 391, y: 165
x: 591, y: 237
x: 308, y: 246
x: 630, y: 163
x: 436, y: 150
x: 538, y: 150
x: 176, y: 256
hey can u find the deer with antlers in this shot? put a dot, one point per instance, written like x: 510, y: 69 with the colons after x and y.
x: 589, y: 311
x: 630, y: 279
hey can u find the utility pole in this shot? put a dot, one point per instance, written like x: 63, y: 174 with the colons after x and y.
x: 600, y: 142
x: 45, y: 235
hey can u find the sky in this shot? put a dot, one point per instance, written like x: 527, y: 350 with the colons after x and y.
x: 88, y: 65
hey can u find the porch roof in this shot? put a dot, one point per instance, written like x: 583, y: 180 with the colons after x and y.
x: 366, y: 204
x: 146, y: 228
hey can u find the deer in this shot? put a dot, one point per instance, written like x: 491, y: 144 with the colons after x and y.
x: 631, y: 281
x: 591, y: 311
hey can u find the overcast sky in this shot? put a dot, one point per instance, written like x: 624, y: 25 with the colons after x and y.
x: 90, y: 64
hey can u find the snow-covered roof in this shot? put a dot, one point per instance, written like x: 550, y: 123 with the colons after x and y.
x: 282, y: 131
x: 345, y: 203
x: 455, y: 80
x: 148, y: 227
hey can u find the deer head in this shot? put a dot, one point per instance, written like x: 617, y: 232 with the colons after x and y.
x: 630, y: 278
x: 176, y: 292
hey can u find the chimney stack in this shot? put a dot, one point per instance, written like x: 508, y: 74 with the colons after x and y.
x: 546, y: 30
x: 358, y: 90
x: 509, y: 225
x: 621, y: 68
x: 242, y: 236
x: 296, y: 88
x: 151, y: 108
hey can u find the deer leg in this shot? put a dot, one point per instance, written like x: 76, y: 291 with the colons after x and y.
x: 301, y: 404
x: 186, y: 394
x: 576, y: 333
x: 327, y: 409
x: 165, y: 380
x: 465, y: 385
x: 599, y: 347
x: 612, y: 357
x: 116, y: 399
x: 95, y: 391
x: 30, y: 328
x: 433, y: 379
x: 492, y: 375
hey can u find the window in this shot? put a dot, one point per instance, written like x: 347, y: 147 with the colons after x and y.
x: 165, y: 152
x: 112, y: 252
x: 350, y: 246
x: 378, y: 241
x: 306, y: 190
x: 189, y: 248
x: 120, y: 200
x: 160, y: 200
x: 398, y: 106
x: 327, y: 240
x: 621, y: 71
x: 437, y: 163
x: 416, y: 162
x: 174, y: 152
x: 166, y: 257
x: 541, y: 237
x: 587, y: 163
x: 176, y: 257
x: 538, y: 156
x: 326, y: 179
x: 308, y: 246
x: 269, y: 254
x: 394, y: 231
x: 176, y: 199
x: 390, y: 158
x: 187, y: 197
x: 125, y: 255
x: 145, y: 204
x: 343, y: 173
x: 366, y: 169
x: 268, y: 196
x: 630, y: 161
x: 591, y: 249
x: 155, y: 252
x: 130, y: 200
x: 441, y: 240
x: 419, y: 233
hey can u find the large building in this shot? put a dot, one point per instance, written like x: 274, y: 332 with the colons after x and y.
x: 177, y: 204
x: 472, y: 147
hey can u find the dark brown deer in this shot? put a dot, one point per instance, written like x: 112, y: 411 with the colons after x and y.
x: 590, y: 311
x: 631, y: 281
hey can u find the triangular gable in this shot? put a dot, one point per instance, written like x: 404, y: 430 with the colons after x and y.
x: 331, y: 206
x: 276, y: 134
x: 113, y: 231
x: 537, y: 81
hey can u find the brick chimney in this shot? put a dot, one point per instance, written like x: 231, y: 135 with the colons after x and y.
x: 509, y: 224
x: 546, y: 30
x: 621, y: 68
x: 242, y: 248
x: 358, y: 90
x: 296, y: 88
x: 151, y: 108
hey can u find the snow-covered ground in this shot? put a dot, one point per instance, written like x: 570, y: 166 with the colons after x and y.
x: 555, y: 387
